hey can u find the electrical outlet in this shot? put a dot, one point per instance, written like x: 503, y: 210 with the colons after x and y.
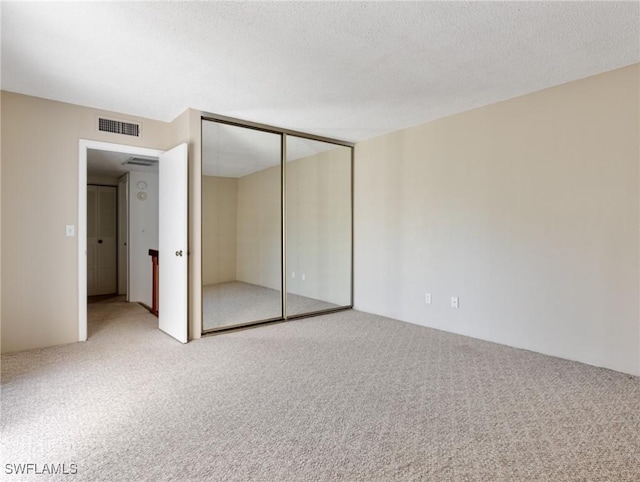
x: 455, y: 303
x: 293, y: 274
x: 427, y: 298
x: 304, y: 276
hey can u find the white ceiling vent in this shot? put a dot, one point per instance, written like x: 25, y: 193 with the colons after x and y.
x: 116, y: 126
x: 141, y: 161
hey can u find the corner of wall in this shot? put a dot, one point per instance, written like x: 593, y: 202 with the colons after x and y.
x: 528, y: 209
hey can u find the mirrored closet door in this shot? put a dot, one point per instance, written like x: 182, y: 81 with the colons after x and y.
x: 241, y: 226
x: 260, y: 204
x: 318, y: 226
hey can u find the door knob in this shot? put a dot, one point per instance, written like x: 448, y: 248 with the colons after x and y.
x: 179, y: 253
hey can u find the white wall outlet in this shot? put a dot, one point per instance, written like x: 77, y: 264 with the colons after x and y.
x: 427, y: 298
x: 304, y: 276
x: 455, y: 303
x: 293, y: 274
x: 70, y: 229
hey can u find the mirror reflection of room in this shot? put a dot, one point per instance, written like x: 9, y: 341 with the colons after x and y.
x: 243, y: 201
x: 318, y: 226
x: 241, y: 225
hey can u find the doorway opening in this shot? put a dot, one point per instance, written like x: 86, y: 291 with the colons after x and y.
x: 117, y: 224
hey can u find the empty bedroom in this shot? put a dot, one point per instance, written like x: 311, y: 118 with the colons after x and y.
x: 374, y: 241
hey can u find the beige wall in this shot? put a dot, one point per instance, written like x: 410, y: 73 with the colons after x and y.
x: 319, y: 226
x: 219, y: 229
x: 39, y: 197
x: 528, y: 210
x: 260, y: 229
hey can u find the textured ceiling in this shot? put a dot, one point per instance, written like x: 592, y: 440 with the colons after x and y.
x: 350, y: 70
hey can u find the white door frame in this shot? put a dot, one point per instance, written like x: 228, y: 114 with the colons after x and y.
x: 84, y: 145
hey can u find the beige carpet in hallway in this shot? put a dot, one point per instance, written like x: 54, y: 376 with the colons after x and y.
x: 347, y: 396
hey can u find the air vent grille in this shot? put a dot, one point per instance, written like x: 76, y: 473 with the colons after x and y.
x: 118, y: 127
x: 141, y: 161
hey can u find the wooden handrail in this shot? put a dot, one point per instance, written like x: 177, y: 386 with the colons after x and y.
x: 154, y: 261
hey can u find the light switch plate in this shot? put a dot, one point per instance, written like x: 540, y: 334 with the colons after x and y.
x: 70, y: 229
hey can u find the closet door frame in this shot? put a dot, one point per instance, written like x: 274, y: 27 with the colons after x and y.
x: 283, y: 133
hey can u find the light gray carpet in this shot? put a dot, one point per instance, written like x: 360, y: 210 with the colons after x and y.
x: 235, y: 302
x: 347, y: 396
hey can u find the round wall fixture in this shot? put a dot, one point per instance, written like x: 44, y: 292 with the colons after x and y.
x: 142, y: 185
x: 141, y: 196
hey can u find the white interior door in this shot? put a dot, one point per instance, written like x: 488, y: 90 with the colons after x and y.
x: 172, y: 242
x: 101, y: 240
x: 107, y: 275
x: 92, y: 240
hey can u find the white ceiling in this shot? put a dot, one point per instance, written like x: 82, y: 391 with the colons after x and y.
x: 349, y: 70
